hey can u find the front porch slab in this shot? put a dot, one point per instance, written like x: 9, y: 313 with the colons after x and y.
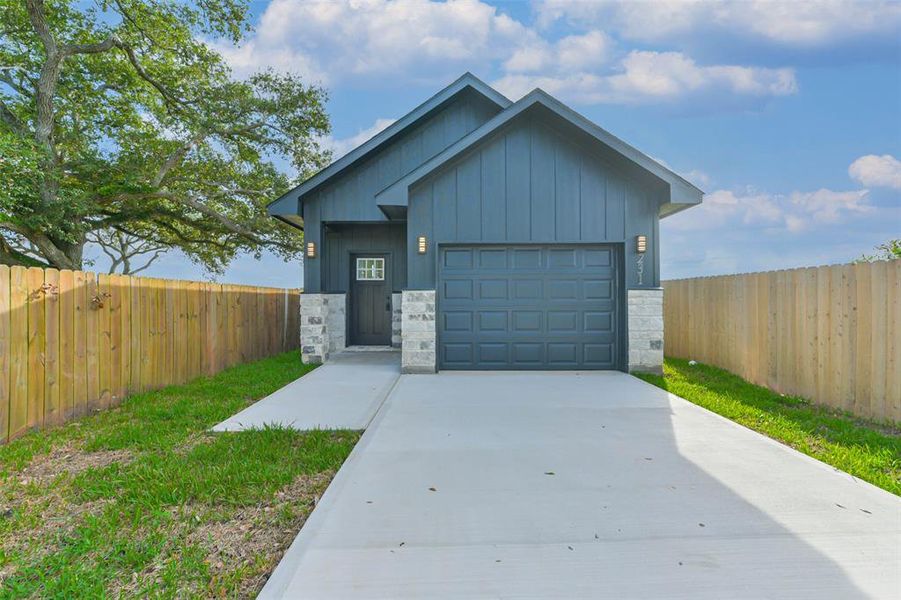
x: 345, y: 393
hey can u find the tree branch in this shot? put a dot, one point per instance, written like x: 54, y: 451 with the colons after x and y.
x: 96, y: 48
x: 229, y: 224
x: 174, y: 159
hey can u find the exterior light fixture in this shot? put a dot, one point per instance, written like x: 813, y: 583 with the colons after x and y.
x: 641, y: 244
x: 422, y: 244
x: 311, y: 249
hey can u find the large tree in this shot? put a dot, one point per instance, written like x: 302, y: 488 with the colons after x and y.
x: 118, y: 116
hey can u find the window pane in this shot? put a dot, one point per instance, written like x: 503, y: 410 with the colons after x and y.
x: 370, y: 269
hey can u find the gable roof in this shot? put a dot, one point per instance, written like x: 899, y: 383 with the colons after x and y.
x: 683, y: 193
x: 287, y: 204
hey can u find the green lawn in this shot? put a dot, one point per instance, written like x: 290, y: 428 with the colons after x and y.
x: 140, y: 501
x: 869, y: 451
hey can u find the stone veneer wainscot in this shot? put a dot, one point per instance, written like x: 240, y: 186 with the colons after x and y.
x: 645, y: 314
x: 323, y: 326
x: 418, y: 331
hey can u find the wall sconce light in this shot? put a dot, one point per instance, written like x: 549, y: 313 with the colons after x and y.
x: 422, y: 244
x: 641, y: 243
x: 311, y: 249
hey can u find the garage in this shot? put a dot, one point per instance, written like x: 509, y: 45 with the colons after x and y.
x: 532, y: 307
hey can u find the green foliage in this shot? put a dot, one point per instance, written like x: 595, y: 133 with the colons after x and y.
x: 866, y: 450
x: 119, y: 114
x: 891, y: 250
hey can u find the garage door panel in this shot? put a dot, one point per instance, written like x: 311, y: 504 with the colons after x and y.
x: 526, y: 258
x: 493, y: 289
x: 494, y: 354
x: 535, y: 307
x: 598, y: 258
x: 597, y: 321
x: 562, y: 353
x: 561, y: 258
x: 457, y: 321
x: 460, y: 289
x: 457, y: 353
x: 562, y: 321
x: 528, y: 353
x: 598, y: 354
x: 495, y: 258
x: 457, y: 258
x: 493, y: 321
x: 527, y: 289
x: 527, y: 320
x: 598, y: 289
x: 563, y: 289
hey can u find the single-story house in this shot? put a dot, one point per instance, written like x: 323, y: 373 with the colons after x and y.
x: 480, y: 233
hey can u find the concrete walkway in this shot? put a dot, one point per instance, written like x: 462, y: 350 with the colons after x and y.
x: 567, y: 485
x: 345, y: 393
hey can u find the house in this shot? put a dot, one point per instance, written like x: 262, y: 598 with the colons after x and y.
x: 480, y: 233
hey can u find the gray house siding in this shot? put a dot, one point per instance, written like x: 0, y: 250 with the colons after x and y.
x: 529, y: 184
x: 350, y: 196
x: 344, y: 240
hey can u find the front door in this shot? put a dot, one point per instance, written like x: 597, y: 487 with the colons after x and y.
x: 370, y: 300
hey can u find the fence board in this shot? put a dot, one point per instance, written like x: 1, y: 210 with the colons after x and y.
x: 105, y: 339
x: 115, y: 339
x: 830, y: 334
x: 66, y: 344
x: 37, y: 331
x: 50, y: 292
x: 125, y: 339
x: 82, y: 301
x: 73, y: 341
x: 18, y: 351
x: 4, y: 354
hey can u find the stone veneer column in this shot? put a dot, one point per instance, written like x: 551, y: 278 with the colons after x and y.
x: 337, y: 322
x: 322, y: 326
x: 645, y: 317
x: 396, y: 320
x: 418, y: 331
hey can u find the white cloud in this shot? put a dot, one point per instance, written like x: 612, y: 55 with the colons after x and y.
x: 419, y: 41
x: 877, y: 171
x: 341, y: 146
x: 574, y: 52
x: 414, y: 39
x: 695, y: 176
x: 735, y: 231
x: 799, y: 23
x: 827, y: 206
x: 645, y: 76
x: 797, y: 211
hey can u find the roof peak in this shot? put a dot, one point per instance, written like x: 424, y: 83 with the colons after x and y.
x: 286, y: 204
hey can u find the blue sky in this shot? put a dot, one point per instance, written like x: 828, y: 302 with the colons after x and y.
x: 787, y: 114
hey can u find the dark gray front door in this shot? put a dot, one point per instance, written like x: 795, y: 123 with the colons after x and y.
x: 370, y: 300
x: 529, y: 307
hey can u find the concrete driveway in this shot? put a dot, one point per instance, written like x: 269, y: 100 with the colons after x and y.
x: 583, y: 485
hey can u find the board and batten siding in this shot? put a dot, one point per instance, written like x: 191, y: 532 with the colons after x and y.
x: 343, y: 240
x: 350, y: 197
x: 529, y: 184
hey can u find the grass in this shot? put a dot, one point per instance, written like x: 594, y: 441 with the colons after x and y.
x: 140, y: 501
x: 867, y: 450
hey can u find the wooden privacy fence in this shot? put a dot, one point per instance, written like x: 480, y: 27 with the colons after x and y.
x: 72, y: 341
x: 830, y: 334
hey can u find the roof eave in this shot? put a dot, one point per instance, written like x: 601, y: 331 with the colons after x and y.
x: 299, y: 224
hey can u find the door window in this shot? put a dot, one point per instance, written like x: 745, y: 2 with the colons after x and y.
x: 370, y: 269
